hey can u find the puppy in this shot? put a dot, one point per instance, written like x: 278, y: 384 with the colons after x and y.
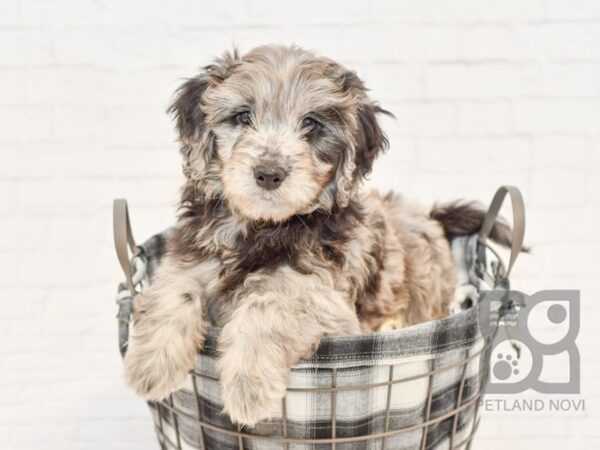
x: 274, y: 242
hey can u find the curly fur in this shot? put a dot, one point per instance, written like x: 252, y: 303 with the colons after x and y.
x: 280, y: 269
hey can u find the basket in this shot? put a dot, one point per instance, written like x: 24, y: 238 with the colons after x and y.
x: 414, y: 388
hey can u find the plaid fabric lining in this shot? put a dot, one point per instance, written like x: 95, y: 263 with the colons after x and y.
x: 454, y: 348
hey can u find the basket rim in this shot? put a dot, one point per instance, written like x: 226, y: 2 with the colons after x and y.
x: 213, y: 331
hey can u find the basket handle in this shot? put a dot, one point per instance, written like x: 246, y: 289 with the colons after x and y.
x: 123, y: 239
x: 518, y: 228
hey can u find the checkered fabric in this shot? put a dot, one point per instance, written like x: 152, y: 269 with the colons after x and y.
x: 415, y: 388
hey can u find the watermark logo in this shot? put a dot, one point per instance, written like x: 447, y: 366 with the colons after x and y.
x: 534, y: 341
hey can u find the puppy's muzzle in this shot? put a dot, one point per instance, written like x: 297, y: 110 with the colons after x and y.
x: 268, y: 177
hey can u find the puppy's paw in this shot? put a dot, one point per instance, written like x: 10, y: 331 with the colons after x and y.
x: 153, y: 373
x: 248, y: 400
x: 162, y: 350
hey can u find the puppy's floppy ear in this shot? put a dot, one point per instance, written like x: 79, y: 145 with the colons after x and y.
x: 197, y: 143
x: 369, y: 139
x: 186, y: 107
x: 197, y: 147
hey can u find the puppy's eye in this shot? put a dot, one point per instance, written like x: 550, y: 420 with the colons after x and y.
x: 243, y: 118
x: 310, y: 124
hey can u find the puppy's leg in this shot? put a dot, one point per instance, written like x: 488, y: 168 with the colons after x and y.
x: 168, y: 329
x: 271, y: 330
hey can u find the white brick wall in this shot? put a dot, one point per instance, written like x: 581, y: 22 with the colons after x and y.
x: 485, y: 93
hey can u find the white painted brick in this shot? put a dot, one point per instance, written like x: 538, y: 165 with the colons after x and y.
x: 586, y: 428
x: 562, y: 151
x: 12, y: 86
x: 100, y: 46
x: 24, y: 47
x: 488, y: 428
x: 394, y: 81
x: 45, y: 435
x: 399, y: 124
x: 23, y: 233
x: 66, y: 85
x: 89, y: 158
x: 471, y: 154
x: 575, y: 79
x: 392, y: 176
x: 507, y: 441
x: 402, y: 151
x: 143, y: 87
x: 152, y: 13
x: 76, y: 229
x: 561, y: 40
x: 481, y: 80
x: 557, y: 115
x: 334, y: 11
x: 322, y: 38
x: 122, y: 431
x: 9, y: 12
x: 81, y: 122
x: 557, y: 225
x: 488, y: 42
x: 194, y: 48
x: 451, y: 184
x: 25, y: 122
x: 56, y: 268
x: 139, y: 125
x: 568, y: 258
x: 83, y: 46
x: 63, y: 12
x: 573, y: 9
x: 406, y: 10
x: 558, y: 188
x: 432, y: 118
x: 8, y: 197
x: 72, y: 198
x: 52, y: 198
x: 9, y: 269
x: 485, y: 117
x: 527, y: 427
x: 25, y: 303
x: 407, y: 42
x: 594, y: 185
x: 462, y: 10
x: 11, y: 164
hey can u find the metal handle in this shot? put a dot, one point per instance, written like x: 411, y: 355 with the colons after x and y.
x: 518, y: 227
x: 123, y: 239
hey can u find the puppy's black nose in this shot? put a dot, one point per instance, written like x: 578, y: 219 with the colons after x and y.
x: 269, y: 178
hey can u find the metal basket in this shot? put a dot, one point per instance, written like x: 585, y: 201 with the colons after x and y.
x: 415, y: 388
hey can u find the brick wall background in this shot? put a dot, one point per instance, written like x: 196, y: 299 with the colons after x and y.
x: 485, y: 93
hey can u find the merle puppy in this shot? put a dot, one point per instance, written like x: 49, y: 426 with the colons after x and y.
x: 275, y: 243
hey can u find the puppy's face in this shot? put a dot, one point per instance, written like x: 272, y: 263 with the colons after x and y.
x: 276, y: 133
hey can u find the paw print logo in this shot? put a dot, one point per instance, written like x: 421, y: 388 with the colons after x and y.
x: 510, y: 368
x: 541, y: 329
x: 505, y: 366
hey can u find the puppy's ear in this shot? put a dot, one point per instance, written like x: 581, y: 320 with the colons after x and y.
x: 187, y: 104
x: 197, y: 142
x: 187, y: 107
x: 197, y: 145
x: 369, y: 139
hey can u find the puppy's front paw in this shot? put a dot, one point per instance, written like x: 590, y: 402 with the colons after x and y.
x: 154, y: 373
x: 248, y: 400
x: 168, y: 332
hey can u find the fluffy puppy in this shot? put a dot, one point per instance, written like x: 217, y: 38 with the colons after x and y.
x: 275, y: 243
